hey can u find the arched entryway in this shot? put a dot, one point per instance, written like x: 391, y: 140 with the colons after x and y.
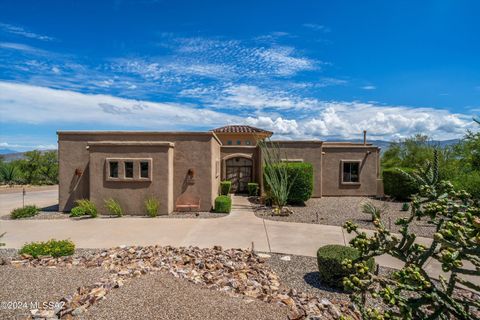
x: 239, y: 170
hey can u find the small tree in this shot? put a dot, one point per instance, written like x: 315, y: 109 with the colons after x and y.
x: 411, y: 293
x: 275, y: 173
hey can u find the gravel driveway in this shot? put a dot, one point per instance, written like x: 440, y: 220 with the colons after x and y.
x: 337, y: 210
x: 161, y: 296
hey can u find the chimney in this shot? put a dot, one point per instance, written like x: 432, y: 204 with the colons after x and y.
x: 364, y: 137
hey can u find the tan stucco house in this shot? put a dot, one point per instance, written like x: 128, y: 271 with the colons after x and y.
x: 132, y: 166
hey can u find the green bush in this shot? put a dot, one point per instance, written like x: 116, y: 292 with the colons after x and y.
x: 25, y: 212
x: 152, y: 206
x: 252, y: 188
x: 330, y: 268
x: 113, y: 206
x: 225, y: 187
x: 223, y: 204
x: 395, y: 184
x: 301, y: 173
x: 77, y: 212
x: 405, y: 206
x: 52, y: 248
x: 84, y: 207
x: 469, y: 182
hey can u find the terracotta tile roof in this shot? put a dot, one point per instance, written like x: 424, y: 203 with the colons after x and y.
x: 240, y: 129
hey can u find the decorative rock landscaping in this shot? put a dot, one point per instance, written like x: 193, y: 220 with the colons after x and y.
x: 235, y: 272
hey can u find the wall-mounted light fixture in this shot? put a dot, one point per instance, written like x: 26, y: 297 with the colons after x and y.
x: 78, y: 172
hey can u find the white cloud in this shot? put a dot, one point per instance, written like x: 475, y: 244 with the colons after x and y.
x: 289, y: 117
x: 21, y: 47
x: 369, y: 87
x: 245, y: 96
x: 39, y: 105
x: 24, y: 33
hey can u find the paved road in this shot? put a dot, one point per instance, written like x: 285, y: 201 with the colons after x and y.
x: 44, y: 197
x: 240, y: 229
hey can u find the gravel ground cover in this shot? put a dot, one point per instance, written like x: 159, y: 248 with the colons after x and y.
x: 301, y: 273
x: 337, y: 210
x: 26, y: 285
x: 161, y: 296
x: 53, y: 215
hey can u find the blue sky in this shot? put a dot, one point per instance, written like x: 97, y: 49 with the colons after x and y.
x: 304, y: 69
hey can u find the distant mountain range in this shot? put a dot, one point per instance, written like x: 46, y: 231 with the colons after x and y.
x: 7, y: 151
x: 10, y: 155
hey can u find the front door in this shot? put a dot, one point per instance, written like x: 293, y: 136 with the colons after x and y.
x: 239, y: 172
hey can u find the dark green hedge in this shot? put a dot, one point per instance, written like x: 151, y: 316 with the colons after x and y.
x: 395, y: 184
x: 252, y: 189
x: 223, y: 204
x: 330, y: 268
x: 225, y: 187
x: 302, y: 188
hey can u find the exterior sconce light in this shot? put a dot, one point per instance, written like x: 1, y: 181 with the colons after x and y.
x: 78, y: 172
x: 191, y: 173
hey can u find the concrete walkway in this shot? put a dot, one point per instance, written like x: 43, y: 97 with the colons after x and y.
x: 240, y: 229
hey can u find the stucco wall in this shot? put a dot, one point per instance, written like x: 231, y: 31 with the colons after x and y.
x: 132, y: 194
x: 331, y: 174
x: 307, y: 151
x: 192, y: 151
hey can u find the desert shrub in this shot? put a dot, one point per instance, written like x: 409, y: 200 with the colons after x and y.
x: 330, y: 260
x: 77, y: 212
x: 398, y: 185
x: 405, y: 206
x: 25, y: 212
x: 223, y: 204
x: 300, y: 175
x: 84, y: 207
x: 9, y: 173
x: 469, y: 182
x: 252, y: 188
x: 225, y: 187
x: 411, y: 292
x: 152, y: 205
x: 52, y: 248
x: 114, y: 207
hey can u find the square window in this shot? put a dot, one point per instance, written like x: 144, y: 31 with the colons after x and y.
x: 113, y: 166
x: 144, y: 169
x: 128, y: 169
x: 239, y: 142
x: 229, y: 142
x: 351, y: 172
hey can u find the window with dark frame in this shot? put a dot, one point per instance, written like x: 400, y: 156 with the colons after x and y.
x: 351, y: 172
x: 128, y: 169
x: 239, y: 142
x: 144, y: 169
x: 113, y: 169
x: 229, y: 142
